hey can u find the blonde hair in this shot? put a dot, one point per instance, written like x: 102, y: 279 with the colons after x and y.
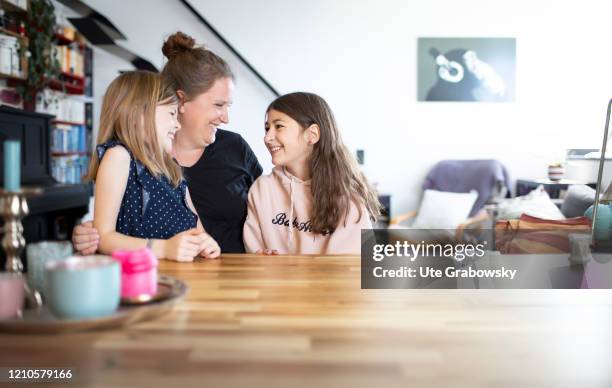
x: 128, y: 116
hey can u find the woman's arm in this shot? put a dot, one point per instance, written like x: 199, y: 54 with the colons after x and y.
x: 111, y: 182
x: 193, y: 210
x: 85, y: 238
x: 208, y: 246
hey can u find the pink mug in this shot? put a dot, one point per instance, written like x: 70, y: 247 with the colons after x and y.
x: 138, y: 273
x: 11, y: 294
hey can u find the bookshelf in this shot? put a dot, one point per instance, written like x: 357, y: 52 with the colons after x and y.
x: 68, y: 98
x: 53, y: 165
x: 13, y: 42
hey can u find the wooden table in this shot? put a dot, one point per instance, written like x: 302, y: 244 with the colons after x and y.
x: 304, y: 322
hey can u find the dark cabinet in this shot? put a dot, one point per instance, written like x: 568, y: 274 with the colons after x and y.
x: 53, y: 213
x: 32, y: 130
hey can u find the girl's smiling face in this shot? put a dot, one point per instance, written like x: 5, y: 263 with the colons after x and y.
x: 289, y: 144
x: 166, y: 125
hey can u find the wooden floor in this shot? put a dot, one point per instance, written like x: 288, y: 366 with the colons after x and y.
x: 257, y: 321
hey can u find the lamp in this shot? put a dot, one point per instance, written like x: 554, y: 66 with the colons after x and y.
x: 608, y: 194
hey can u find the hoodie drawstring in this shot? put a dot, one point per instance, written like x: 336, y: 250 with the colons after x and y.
x: 291, y: 213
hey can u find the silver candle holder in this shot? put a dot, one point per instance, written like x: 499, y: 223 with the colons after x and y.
x: 13, y: 208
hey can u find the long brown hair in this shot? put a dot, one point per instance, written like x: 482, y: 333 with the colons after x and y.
x: 128, y: 115
x: 190, y: 68
x: 336, y: 178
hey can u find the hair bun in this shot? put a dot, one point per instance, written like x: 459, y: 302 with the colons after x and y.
x: 177, y: 43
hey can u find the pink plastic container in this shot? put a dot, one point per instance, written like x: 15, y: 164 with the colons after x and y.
x: 138, y: 273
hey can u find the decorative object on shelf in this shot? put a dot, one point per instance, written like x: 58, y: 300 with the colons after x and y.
x: 556, y: 171
x: 43, y: 67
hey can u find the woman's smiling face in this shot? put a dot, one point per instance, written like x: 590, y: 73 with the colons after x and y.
x: 201, y: 115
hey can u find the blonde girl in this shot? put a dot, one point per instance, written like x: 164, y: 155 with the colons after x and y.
x: 141, y: 198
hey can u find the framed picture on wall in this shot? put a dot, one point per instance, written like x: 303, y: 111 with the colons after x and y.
x: 466, y: 69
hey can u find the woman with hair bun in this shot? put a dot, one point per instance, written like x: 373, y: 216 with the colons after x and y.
x: 218, y: 165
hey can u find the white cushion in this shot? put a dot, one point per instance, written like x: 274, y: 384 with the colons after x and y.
x: 537, y: 204
x: 444, y: 210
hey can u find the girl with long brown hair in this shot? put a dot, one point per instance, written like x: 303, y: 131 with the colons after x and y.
x: 316, y: 200
x: 141, y: 198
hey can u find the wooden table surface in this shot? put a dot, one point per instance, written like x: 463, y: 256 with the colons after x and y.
x: 304, y: 322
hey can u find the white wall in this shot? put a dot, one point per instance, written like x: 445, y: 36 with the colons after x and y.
x: 361, y: 56
x: 106, y: 68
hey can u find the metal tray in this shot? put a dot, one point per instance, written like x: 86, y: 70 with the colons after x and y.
x: 38, y: 321
x: 164, y: 291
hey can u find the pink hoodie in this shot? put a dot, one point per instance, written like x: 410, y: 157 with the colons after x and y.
x: 277, y: 199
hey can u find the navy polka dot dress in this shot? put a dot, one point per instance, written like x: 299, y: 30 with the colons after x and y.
x: 151, y: 207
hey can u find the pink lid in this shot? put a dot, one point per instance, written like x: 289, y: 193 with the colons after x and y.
x: 140, y: 260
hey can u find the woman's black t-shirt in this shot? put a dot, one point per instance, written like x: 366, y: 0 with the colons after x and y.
x: 219, y: 183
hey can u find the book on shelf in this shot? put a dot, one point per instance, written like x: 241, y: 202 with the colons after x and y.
x: 69, y: 169
x: 71, y: 60
x: 67, y: 138
x: 69, y: 153
x: 10, y: 60
x: 66, y: 108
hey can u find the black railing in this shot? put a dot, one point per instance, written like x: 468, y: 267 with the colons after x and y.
x: 229, y: 46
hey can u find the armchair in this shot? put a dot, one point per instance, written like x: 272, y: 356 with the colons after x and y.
x: 489, y: 178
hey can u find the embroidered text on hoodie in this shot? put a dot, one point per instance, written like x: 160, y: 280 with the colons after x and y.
x: 278, y: 218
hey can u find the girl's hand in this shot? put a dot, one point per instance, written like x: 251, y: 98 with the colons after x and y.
x: 267, y: 252
x: 183, y: 246
x: 209, y: 248
x: 85, y: 238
